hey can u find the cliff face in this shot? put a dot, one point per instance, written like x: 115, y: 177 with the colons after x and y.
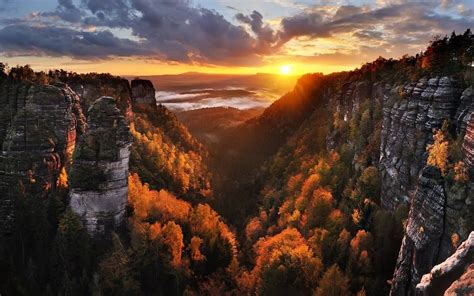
x: 410, y: 113
x: 90, y: 87
x: 38, y: 129
x: 99, y: 174
x: 143, y: 92
x: 438, y: 209
x: 468, y: 144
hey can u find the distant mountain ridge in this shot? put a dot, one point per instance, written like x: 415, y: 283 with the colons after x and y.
x: 194, y: 80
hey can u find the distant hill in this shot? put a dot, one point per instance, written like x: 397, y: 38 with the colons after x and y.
x: 194, y: 80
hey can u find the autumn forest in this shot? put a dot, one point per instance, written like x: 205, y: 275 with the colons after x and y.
x: 356, y: 182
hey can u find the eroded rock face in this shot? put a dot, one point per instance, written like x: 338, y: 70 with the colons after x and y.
x: 99, y: 174
x: 143, y: 92
x: 468, y: 143
x: 441, y: 212
x: 425, y: 226
x: 38, y: 129
x: 466, y: 106
x: 455, y: 275
x: 464, y: 285
x: 90, y: 88
x: 439, y: 209
x: 409, y: 115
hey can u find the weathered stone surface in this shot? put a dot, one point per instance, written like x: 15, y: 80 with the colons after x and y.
x: 90, y: 87
x: 421, y: 244
x: 409, y: 115
x: 99, y: 175
x: 438, y: 212
x: 349, y: 99
x: 465, y: 109
x: 439, y: 207
x: 464, y: 285
x: 38, y: 128
x: 455, y: 275
x: 143, y: 92
x: 468, y: 143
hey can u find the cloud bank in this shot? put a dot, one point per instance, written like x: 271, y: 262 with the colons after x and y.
x: 179, y: 31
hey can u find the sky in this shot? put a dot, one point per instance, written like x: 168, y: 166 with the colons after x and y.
x: 150, y: 37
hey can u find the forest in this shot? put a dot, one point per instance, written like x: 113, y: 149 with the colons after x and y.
x: 288, y: 203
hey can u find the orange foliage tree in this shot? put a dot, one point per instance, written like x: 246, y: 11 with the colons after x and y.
x: 285, y: 264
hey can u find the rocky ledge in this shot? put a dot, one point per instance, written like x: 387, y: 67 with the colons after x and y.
x: 99, y: 175
x: 454, y: 276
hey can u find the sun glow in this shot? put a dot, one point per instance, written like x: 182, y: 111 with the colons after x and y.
x: 286, y: 69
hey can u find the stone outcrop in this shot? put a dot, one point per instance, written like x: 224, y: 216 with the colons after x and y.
x: 91, y: 87
x: 38, y: 129
x: 439, y: 209
x: 424, y: 242
x: 464, y: 285
x: 454, y: 276
x: 465, y: 109
x: 99, y: 174
x: 143, y: 92
x: 409, y: 115
x: 468, y: 144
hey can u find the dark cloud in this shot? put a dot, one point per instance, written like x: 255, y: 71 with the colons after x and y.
x: 26, y: 40
x: 264, y: 33
x: 347, y: 10
x: 170, y: 29
x: 177, y: 31
x: 305, y: 24
x: 403, y: 24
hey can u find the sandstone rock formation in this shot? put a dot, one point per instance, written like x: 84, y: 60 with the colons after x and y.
x: 38, y: 129
x: 423, y: 243
x: 455, y: 275
x: 466, y: 106
x: 468, y: 144
x: 439, y: 209
x: 90, y: 87
x: 143, y: 92
x: 99, y: 174
x: 464, y: 285
x: 409, y: 115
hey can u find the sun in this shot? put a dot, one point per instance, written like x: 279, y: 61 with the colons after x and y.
x: 286, y: 69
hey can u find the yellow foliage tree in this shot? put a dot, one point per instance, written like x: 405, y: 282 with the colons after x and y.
x: 438, y: 152
x: 285, y: 264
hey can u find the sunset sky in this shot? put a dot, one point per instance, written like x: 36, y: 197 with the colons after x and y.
x: 145, y: 37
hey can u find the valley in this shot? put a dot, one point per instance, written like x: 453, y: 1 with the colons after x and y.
x: 350, y: 183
